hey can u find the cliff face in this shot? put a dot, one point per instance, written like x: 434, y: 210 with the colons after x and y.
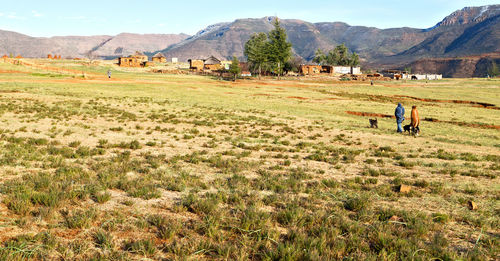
x: 473, y: 66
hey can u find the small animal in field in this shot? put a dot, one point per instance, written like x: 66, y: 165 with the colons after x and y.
x: 415, y: 131
x: 373, y: 123
x: 407, y: 128
x: 411, y: 131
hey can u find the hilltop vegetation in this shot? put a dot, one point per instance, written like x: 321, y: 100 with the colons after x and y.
x: 164, y: 166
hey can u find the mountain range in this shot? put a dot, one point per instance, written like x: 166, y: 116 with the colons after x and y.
x: 466, y: 32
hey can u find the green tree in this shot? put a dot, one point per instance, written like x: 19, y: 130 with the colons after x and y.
x: 493, y: 70
x: 354, y: 60
x: 234, y: 68
x: 293, y: 64
x: 256, y: 52
x: 278, y: 48
x: 339, y: 56
x: 319, y: 57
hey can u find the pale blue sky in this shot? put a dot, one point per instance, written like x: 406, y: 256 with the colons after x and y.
x: 91, y: 17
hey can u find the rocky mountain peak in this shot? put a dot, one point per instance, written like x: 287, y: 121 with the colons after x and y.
x: 469, y: 15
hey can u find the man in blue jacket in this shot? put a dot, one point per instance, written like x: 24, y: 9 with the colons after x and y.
x: 400, y: 116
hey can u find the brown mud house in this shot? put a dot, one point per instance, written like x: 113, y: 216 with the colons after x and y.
x: 311, y: 69
x: 159, y: 58
x: 210, y: 64
x: 136, y: 60
x: 196, y: 64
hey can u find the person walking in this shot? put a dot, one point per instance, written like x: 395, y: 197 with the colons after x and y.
x: 400, y: 116
x: 415, y: 119
x: 109, y: 74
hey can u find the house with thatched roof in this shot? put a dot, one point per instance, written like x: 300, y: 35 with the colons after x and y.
x: 212, y: 64
x: 138, y: 59
x: 208, y: 64
x: 159, y: 58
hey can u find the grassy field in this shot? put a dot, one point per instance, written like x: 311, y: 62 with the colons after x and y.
x: 188, y: 167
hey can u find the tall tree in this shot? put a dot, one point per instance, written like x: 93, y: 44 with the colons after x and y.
x: 234, y: 68
x: 339, y: 56
x: 493, y: 69
x: 354, y: 60
x: 279, y: 49
x: 319, y: 57
x: 256, y: 53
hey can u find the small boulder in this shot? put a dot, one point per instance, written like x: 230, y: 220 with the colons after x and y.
x: 404, y: 188
x: 472, y: 205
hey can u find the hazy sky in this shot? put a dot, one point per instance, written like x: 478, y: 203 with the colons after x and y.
x: 110, y: 17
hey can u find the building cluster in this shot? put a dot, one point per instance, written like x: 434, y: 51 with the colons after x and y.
x: 139, y: 59
x: 405, y: 75
x: 208, y: 64
x: 311, y: 69
x: 12, y: 56
x: 212, y: 64
x: 54, y: 57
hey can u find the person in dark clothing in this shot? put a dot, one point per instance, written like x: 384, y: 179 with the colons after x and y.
x: 400, y: 116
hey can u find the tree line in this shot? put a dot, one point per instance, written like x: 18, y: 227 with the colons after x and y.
x: 339, y: 56
x: 272, y: 52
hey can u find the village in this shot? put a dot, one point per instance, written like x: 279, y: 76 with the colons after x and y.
x: 216, y: 66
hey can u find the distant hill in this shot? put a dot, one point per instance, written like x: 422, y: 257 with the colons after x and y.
x: 76, y: 46
x: 469, y: 31
x: 228, y: 39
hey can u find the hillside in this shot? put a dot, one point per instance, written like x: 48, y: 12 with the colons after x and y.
x: 466, y: 32
x: 77, y: 46
x: 470, y: 31
x: 470, y: 66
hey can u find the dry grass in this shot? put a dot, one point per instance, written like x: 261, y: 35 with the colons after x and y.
x: 187, y: 167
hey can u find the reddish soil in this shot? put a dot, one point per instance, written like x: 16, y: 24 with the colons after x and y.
x: 475, y: 104
x: 465, y: 124
x: 369, y: 114
x: 261, y: 94
x: 297, y: 97
x: 12, y: 71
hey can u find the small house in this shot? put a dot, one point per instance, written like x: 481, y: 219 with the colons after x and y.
x: 175, y: 60
x: 196, y: 64
x: 129, y: 62
x: 310, y: 69
x: 159, y: 58
x: 136, y: 60
x: 212, y: 64
x: 140, y: 56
